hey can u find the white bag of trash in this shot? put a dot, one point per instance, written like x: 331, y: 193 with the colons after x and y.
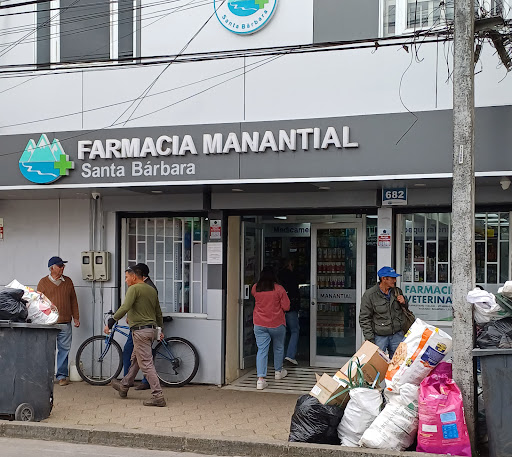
x: 485, y: 306
x: 397, y: 425
x: 362, y: 409
x: 423, y: 347
x: 40, y: 309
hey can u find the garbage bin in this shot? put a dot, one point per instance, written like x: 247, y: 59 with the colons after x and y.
x: 496, y: 365
x: 27, y: 364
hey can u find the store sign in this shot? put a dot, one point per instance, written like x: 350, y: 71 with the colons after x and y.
x: 244, y: 16
x: 288, y: 230
x: 429, y: 301
x: 394, y: 196
x: 43, y: 163
x: 335, y: 296
x: 215, y: 229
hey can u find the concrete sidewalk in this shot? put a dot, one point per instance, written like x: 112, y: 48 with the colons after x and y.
x: 192, y: 409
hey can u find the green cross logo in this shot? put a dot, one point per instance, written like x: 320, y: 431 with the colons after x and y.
x: 63, y: 165
x: 261, y: 3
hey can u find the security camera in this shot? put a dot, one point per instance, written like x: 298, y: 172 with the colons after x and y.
x: 505, y: 183
x: 96, y: 195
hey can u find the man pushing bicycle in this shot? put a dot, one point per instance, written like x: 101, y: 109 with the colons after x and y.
x: 144, y: 316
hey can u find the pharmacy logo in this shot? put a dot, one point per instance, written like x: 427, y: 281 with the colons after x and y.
x: 43, y: 162
x: 244, y: 16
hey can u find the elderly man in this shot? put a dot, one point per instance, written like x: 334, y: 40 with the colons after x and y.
x: 382, y: 316
x: 144, y: 315
x: 61, y: 291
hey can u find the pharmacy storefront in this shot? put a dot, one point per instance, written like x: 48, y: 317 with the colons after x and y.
x: 207, y: 206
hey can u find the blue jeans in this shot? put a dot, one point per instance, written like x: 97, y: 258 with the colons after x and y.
x: 263, y: 337
x: 292, y: 324
x: 127, y: 355
x: 389, y: 342
x: 63, y: 347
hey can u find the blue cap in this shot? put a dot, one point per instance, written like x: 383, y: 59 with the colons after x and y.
x: 387, y: 272
x: 56, y: 261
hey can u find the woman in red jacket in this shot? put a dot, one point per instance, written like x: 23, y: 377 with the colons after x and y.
x: 269, y: 324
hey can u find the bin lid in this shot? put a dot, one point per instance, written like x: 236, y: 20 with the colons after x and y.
x: 9, y: 324
x: 494, y: 351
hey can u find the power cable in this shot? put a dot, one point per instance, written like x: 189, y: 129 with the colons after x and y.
x: 155, y: 94
x: 168, y: 106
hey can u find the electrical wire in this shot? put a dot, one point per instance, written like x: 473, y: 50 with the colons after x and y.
x: 155, y: 94
x: 151, y: 85
x: 81, y: 134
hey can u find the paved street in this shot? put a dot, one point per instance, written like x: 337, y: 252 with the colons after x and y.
x: 193, y: 409
x: 12, y: 447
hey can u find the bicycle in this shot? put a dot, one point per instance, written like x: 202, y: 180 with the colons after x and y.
x: 99, y: 359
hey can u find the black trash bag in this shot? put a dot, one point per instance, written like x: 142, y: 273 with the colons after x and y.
x: 12, y: 306
x: 496, y: 334
x: 313, y: 422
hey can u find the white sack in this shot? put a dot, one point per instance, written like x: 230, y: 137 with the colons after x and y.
x: 40, y: 309
x: 485, y: 306
x: 397, y: 425
x: 362, y: 409
x: 423, y: 347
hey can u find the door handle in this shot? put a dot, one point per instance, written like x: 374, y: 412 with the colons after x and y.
x: 246, y: 292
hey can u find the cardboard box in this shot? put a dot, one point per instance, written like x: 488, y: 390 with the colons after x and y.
x: 369, y: 355
x: 372, y: 358
x: 326, y: 386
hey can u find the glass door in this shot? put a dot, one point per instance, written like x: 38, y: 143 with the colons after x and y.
x: 251, y: 262
x: 336, y: 277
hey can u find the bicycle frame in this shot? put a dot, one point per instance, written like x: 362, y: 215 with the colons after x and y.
x: 108, y: 338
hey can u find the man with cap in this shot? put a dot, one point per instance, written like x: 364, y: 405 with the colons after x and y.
x: 61, y: 292
x: 382, y: 316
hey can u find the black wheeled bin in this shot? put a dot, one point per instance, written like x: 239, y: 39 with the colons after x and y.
x: 27, y: 364
x: 496, y: 365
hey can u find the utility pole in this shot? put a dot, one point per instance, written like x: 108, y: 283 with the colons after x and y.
x: 463, y: 206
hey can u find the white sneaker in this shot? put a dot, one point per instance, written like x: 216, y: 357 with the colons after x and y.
x: 281, y: 374
x: 288, y: 359
x: 261, y: 384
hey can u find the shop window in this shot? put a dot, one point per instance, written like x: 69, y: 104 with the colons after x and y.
x: 174, y: 249
x: 426, y: 263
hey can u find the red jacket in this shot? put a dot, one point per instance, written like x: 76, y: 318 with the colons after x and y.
x: 270, y: 307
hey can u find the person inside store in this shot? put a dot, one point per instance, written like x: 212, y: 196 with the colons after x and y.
x: 290, y: 281
x: 61, y: 292
x: 269, y: 324
x: 128, y: 346
x: 382, y: 312
x: 144, y: 315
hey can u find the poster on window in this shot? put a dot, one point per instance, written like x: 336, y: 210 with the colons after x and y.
x: 429, y: 301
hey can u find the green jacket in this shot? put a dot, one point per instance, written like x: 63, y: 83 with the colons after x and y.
x: 380, y: 316
x: 142, y: 306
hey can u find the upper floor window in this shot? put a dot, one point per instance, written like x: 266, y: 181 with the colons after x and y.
x: 85, y: 30
x: 402, y: 16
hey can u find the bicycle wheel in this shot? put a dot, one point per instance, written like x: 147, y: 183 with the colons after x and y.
x: 176, y: 362
x: 98, y: 364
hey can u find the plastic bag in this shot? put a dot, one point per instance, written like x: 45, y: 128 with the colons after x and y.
x: 12, y: 308
x: 485, y: 306
x: 362, y: 409
x: 313, y: 422
x: 496, y: 334
x: 396, y: 426
x: 442, y: 427
x: 40, y: 309
x: 423, y: 347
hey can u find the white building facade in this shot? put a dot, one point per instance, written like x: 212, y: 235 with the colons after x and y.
x: 209, y: 166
